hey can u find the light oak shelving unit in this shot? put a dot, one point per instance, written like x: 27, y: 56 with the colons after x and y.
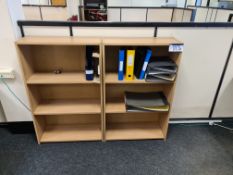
x: 118, y: 123
x: 67, y: 107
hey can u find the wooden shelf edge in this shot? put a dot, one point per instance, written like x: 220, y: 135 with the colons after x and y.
x: 112, y: 78
x: 69, y: 140
x: 149, y: 41
x: 64, y: 78
x: 59, y: 40
x: 134, y: 138
x: 63, y: 107
x: 64, y: 113
x: 134, y: 131
x: 71, y: 133
x: 117, y: 106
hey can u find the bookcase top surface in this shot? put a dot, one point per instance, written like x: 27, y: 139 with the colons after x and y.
x: 150, y: 41
x: 37, y: 40
x: 58, y: 41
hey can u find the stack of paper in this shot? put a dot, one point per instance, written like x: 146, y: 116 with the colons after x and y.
x: 146, y: 101
x: 161, y: 68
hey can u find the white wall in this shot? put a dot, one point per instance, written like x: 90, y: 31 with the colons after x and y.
x: 46, y: 31
x: 181, y: 3
x: 14, y: 111
x: 113, y: 32
x: 204, y: 2
x: 119, y: 3
x: 202, y: 63
x: 139, y: 3
x: 31, y: 13
x: 177, y: 15
x: 159, y: 15
x: 201, y: 14
x: 133, y: 14
x: 2, y: 115
x: 35, y: 2
x: 203, y: 59
x: 153, y: 14
x: 47, y: 13
x: 149, y: 3
x: 187, y: 16
x: 114, y: 14
x: 191, y: 2
x: 15, y: 13
x: 180, y: 15
x: 212, y: 15
x: 214, y: 3
x: 223, y: 15
x: 224, y: 104
x: 54, y: 13
x: 72, y: 7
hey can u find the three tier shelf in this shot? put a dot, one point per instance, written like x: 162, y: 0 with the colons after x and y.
x: 65, y: 106
x: 118, y: 123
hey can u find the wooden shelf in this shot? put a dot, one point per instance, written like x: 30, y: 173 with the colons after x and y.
x: 59, y: 107
x: 112, y: 78
x: 69, y: 133
x: 64, y: 78
x: 143, y: 41
x: 116, y: 105
x: 134, y: 131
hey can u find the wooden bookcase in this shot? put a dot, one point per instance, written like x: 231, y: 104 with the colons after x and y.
x: 118, y: 123
x: 67, y: 107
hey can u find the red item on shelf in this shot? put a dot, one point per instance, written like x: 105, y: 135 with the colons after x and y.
x: 73, y: 18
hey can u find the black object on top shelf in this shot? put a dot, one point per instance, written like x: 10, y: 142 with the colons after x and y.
x: 89, y: 63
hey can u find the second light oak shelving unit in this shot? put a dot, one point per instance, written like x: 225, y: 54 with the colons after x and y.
x: 118, y: 123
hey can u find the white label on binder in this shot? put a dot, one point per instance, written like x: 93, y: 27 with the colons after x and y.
x: 130, y: 60
x: 176, y: 48
x: 121, y: 66
x: 89, y: 71
x: 144, y: 66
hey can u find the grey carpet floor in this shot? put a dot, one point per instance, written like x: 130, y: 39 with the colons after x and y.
x: 189, y: 150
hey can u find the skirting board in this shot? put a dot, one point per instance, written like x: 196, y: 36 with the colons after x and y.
x: 18, y: 127
x: 194, y: 121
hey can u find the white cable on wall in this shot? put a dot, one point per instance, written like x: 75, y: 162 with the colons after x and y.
x: 12, y: 92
